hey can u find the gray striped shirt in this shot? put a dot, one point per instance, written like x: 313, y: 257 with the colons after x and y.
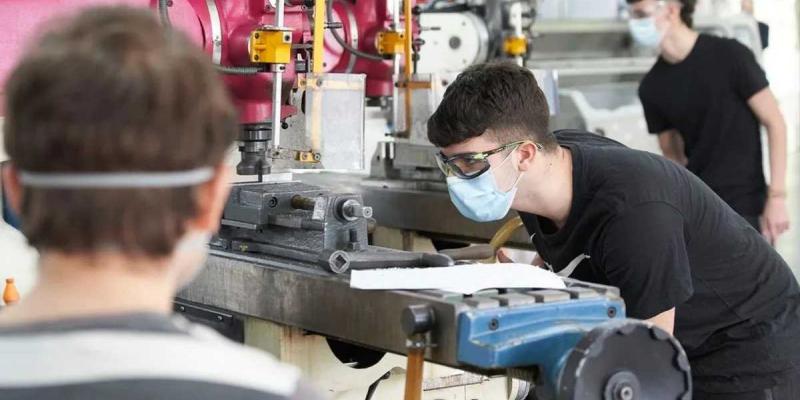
x: 137, y: 356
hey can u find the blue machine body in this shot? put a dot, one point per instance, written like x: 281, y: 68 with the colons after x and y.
x: 540, y: 334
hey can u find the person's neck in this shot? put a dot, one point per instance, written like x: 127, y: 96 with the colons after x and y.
x: 677, y: 45
x: 550, y: 194
x: 76, y: 286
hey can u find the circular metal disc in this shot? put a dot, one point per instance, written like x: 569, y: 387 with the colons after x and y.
x: 626, y: 360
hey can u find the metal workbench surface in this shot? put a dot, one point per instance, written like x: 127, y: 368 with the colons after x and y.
x: 304, y: 296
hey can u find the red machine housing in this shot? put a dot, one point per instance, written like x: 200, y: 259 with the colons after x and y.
x: 233, y: 20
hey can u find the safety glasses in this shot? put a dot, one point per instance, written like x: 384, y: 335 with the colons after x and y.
x: 472, y: 165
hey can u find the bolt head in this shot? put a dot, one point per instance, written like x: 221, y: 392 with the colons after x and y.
x: 625, y: 393
x: 494, y: 324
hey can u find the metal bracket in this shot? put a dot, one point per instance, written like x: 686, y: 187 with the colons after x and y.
x: 229, y: 325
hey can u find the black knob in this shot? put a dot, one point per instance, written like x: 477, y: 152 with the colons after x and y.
x: 417, y: 319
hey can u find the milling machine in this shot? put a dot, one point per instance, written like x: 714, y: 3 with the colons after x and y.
x: 584, y: 60
x: 301, y: 74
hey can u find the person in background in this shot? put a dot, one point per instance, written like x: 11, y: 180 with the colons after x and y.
x: 706, y: 98
x: 116, y: 130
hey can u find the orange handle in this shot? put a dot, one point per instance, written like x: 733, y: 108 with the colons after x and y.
x: 10, y: 294
x: 416, y: 358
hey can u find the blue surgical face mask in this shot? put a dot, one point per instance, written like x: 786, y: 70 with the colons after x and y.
x: 479, y: 199
x: 645, y: 32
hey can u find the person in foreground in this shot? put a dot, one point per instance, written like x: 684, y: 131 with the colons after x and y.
x: 600, y: 212
x: 116, y: 130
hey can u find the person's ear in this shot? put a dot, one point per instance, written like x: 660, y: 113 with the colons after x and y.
x: 211, y: 197
x: 11, y: 186
x: 673, y: 13
x: 528, y: 152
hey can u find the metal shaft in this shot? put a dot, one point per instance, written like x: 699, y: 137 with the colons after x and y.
x: 396, y: 110
x: 277, y: 85
x: 303, y: 203
x: 409, y: 63
x: 516, y: 21
x: 396, y: 67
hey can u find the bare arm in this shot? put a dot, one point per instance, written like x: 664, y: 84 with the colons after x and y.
x: 665, y: 320
x: 775, y: 219
x: 672, y: 146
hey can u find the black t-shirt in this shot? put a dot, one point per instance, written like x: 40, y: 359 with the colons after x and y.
x: 705, y: 97
x: 650, y: 227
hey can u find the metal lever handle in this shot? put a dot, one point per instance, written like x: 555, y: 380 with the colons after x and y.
x: 477, y: 252
x: 339, y: 261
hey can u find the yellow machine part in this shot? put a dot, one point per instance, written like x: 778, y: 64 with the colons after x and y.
x: 308, y: 157
x: 515, y: 46
x: 503, y: 235
x: 271, y: 46
x: 389, y: 43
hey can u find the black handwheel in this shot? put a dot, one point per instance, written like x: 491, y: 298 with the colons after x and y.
x: 626, y: 360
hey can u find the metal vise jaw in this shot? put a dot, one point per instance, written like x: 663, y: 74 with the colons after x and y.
x: 292, y: 220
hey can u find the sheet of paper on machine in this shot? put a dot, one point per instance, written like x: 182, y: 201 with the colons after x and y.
x: 466, y: 279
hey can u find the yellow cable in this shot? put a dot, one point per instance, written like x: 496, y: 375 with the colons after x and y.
x: 503, y: 234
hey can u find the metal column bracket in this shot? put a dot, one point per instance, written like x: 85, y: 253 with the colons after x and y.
x: 271, y: 45
x: 389, y: 43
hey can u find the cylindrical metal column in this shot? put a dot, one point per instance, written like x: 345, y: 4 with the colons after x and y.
x: 277, y: 85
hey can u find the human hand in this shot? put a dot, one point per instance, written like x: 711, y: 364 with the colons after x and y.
x: 503, y: 257
x: 775, y: 220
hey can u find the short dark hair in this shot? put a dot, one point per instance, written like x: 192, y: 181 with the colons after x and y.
x: 113, y: 90
x: 687, y: 10
x: 500, y: 97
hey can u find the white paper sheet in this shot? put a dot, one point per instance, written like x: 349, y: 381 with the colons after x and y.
x: 466, y: 279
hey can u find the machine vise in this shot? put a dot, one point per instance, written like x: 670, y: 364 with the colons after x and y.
x: 301, y: 222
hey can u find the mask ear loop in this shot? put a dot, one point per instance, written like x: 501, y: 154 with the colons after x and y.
x: 516, y: 182
x: 519, y: 177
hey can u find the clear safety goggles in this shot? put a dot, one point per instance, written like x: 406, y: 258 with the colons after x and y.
x: 473, y: 165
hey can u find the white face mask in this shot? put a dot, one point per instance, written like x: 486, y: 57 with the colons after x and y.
x: 190, y: 255
x: 645, y: 32
x: 480, y: 199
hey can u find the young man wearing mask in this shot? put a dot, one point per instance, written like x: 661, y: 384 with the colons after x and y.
x: 706, y: 99
x: 600, y: 212
x: 117, y: 130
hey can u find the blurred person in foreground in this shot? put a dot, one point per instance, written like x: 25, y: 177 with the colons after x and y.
x: 116, y: 130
